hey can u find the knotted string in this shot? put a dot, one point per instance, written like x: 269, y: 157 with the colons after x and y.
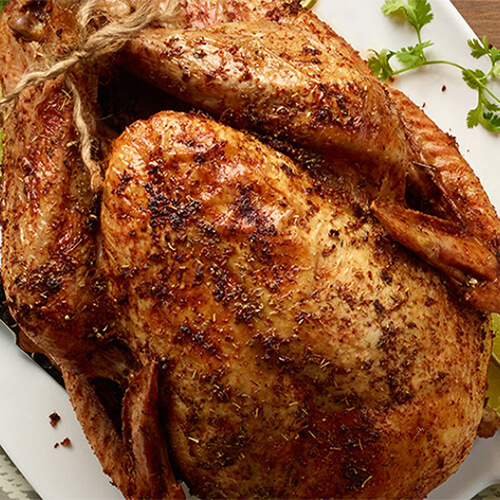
x: 108, y: 39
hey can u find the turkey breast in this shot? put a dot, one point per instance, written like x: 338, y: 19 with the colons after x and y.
x: 297, y: 344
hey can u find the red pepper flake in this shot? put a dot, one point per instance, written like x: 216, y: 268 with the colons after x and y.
x: 54, y: 419
x: 443, y: 88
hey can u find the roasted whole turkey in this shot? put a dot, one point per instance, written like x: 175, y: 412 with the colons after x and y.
x: 281, y: 288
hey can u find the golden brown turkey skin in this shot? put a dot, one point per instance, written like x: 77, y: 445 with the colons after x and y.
x: 49, y: 214
x: 466, y: 206
x: 197, y: 13
x: 296, y: 79
x: 302, y: 353
x: 50, y: 222
x: 270, y: 340
x: 291, y: 76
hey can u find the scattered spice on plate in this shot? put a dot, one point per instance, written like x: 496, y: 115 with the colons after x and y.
x: 66, y: 442
x: 54, y: 419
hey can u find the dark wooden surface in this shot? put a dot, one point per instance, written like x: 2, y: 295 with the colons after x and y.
x: 483, y: 16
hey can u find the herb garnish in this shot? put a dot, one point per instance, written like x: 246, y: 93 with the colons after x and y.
x: 418, y: 13
x: 308, y: 4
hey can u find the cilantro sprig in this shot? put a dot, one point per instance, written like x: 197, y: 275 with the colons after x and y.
x: 418, y: 13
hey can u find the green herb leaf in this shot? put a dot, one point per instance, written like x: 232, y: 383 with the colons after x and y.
x: 485, y: 114
x: 380, y: 65
x: 474, y: 116
x: 418, y: 13
x: 490, y: 106
x: 413, y: 56
x: 491, y: 121
x: 3, y: 3
x: 474, y: 78
x: 494, y: 55
x: 479, y: 48
x: 308, y: 4
x: 483, y: 48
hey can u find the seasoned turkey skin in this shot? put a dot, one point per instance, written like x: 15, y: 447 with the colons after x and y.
x: 197, y: 14
x: 303, y: 354
x: 48, y: 211
x: 255, y: 323
x: 296, y: 79
x: 292, y: 77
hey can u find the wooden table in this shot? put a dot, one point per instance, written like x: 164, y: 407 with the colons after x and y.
x: 483, y: 16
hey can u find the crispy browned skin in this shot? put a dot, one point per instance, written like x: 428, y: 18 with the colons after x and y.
x: 293, y: 77
x: 298, y: 80
x: 195, y: 14
x: 50, y: 218
x: 48, y: 211
x: 304, y: 355
x: 469, y: 211
x: 233, y: 318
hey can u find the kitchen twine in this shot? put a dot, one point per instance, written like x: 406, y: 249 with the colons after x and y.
x: 107, y: 40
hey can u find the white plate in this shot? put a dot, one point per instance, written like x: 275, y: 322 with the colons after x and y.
x: 28, y: 395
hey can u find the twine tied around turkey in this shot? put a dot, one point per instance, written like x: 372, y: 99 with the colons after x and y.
x: 106, y: 40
